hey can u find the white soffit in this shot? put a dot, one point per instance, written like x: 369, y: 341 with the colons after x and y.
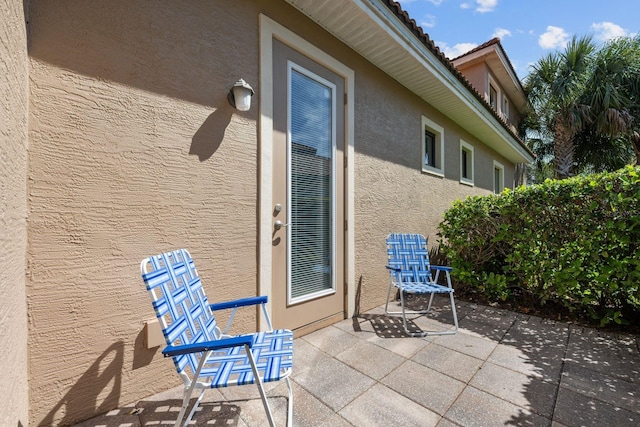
x: 376, y: 33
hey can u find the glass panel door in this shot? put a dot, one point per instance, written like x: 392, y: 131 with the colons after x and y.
x: 311, y: 151
x: 307, y: 253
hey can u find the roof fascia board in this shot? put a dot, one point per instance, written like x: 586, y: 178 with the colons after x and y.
x: 386, y: 20
x: 403, y: 36
x: 512, y: 74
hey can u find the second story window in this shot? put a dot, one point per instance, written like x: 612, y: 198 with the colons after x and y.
x: 505, y: 107
x: 493, y: 97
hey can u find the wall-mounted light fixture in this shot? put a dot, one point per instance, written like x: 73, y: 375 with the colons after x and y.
x: 240, y: 95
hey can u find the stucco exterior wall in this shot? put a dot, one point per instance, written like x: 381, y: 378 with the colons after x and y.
x: 134, y: 151
x: 392, y: 193
x: 14, y: 85
x: 477, y: 76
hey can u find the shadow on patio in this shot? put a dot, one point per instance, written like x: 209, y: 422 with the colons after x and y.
x: 502, y: 368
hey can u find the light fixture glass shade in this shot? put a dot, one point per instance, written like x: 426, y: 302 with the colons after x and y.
x: 242, y: 94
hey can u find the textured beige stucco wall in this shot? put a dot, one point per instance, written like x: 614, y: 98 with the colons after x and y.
x: 392, y: 194
x: 14, y: 85
x: 134, y: 151
x: 477, y: 76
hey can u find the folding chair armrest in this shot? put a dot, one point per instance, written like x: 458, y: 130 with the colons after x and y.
x: 238, y: 303
x: 393, y: 268
x: 442, y: 268
x: 199, y: 347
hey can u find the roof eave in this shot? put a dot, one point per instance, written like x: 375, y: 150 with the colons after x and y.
x: 399, y: 48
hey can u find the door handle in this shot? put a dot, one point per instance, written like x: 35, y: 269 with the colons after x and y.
x: 279, y: 224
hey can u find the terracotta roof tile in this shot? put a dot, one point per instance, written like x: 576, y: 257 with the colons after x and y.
x: 493, y: 41
x: 424, y: 38
x: 496, y: 41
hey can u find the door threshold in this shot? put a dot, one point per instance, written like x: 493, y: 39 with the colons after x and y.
x: 318, y: 324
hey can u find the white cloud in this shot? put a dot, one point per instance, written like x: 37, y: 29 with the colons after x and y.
x: 501, y: 33
x: 456, y: 50
x: 486, y: 5
x: 608, y: 30
x: 482, y: 6
x: 428, y: 21
x: 436, y: 2
x: 553, y: 38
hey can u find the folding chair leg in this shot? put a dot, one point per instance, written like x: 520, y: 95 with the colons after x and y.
x: 424, y: 333
x: 189, y: 392
x: 430, y: 302
x: 185, y: 404
x: 263, y: 394
x: 404, y: 318
x: 289, y: 404
x: 455, y: 315
x: 386, y: 307
x: 194, y: 409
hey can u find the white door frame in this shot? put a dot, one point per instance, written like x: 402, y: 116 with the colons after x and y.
x: 269, y: 29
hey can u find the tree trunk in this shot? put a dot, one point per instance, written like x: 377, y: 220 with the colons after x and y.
x: 520, y: 177
x: 563, y: 151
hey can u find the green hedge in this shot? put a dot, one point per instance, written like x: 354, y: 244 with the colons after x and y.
x: 574, y: 242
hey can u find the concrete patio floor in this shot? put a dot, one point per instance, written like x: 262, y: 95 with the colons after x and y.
x: 502, y: 368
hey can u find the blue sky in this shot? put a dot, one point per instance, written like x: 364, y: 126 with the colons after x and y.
x: 528, y: 29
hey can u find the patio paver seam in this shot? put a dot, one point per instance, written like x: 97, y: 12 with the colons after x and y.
x: 594, y: 397
x: 502, y: 400
x: 562, y: 366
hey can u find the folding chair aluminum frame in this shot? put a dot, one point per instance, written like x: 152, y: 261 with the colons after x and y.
x: 195, y: 342
x: 409, y: 259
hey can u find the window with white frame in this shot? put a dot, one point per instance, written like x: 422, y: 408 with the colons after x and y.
x: 498, y: 177
x: 505, y: 108
x: 466, y: 163
x: 432, y: 147
x: 493, y: 97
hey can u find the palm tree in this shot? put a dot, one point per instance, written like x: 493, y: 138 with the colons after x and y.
x: 613, y: 100
x: 554, y: 88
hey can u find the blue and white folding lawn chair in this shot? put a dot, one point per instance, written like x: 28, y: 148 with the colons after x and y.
x: 410, y: 272
x: 204, y: 356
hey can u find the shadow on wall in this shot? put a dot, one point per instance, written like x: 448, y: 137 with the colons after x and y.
x: 142, y: 356
x: 187, y: 51
x: 208, y: 138
x: 82, y: 398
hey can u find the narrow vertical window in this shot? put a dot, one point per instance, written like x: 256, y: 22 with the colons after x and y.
x: 466, y: 163
x: 498, y: 177
x: 432, y: 147
x: 493, y: 97
x: 505, y: 108
x: 430, y: 154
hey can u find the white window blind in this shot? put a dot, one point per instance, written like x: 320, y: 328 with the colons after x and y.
x: 311, y: 211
